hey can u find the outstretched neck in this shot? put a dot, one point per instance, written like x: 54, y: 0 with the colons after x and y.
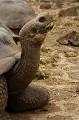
x: 20, y: 76
x: 30, y: 58
x: 29, y: 61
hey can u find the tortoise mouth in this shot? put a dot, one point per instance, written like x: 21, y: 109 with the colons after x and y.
x: 49, y: 26
x: 46, y: 28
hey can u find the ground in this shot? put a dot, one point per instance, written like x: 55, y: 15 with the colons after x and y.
x: 58, y: 73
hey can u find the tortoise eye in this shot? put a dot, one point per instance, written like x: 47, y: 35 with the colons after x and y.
x: 42, y: 19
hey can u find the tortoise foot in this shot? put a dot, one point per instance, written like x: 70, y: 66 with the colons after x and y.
x: 33, y: 97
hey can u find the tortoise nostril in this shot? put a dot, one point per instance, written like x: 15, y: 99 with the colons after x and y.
x: 42, y: 19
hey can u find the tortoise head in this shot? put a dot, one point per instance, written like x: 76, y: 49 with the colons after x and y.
x: 37, y: 28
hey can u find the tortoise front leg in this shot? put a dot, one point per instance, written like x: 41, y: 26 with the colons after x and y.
x: 3, y: 99
x: 33, y: 97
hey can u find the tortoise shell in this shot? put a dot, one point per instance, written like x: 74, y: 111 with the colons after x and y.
x: 15, y: 13
x: 10, y: 53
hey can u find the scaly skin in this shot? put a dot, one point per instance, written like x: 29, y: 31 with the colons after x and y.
x: 3, y: 99
x: 22, y: 96
x: 32, y: 36
x: 32, y: 98
x: 4, y: 116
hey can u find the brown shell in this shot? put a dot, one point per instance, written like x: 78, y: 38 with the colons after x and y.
x: 15, y: 13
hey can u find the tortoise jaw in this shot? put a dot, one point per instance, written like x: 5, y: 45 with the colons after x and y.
x: 45, y: 29
x: 49, y: 26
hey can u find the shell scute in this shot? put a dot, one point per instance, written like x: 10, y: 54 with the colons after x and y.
x: 9, y: 52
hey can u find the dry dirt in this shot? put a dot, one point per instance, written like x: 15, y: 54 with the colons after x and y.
x: 58, y: 72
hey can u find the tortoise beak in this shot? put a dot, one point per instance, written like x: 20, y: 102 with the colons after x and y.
x: 49, y: 26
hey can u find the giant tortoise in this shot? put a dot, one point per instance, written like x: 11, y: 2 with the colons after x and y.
x: 18, y: 67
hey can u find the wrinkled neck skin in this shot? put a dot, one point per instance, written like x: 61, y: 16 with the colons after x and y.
x: 20, y: 76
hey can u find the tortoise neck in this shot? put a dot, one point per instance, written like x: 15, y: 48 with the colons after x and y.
x: 20, y: 76
x: 30, y: 58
